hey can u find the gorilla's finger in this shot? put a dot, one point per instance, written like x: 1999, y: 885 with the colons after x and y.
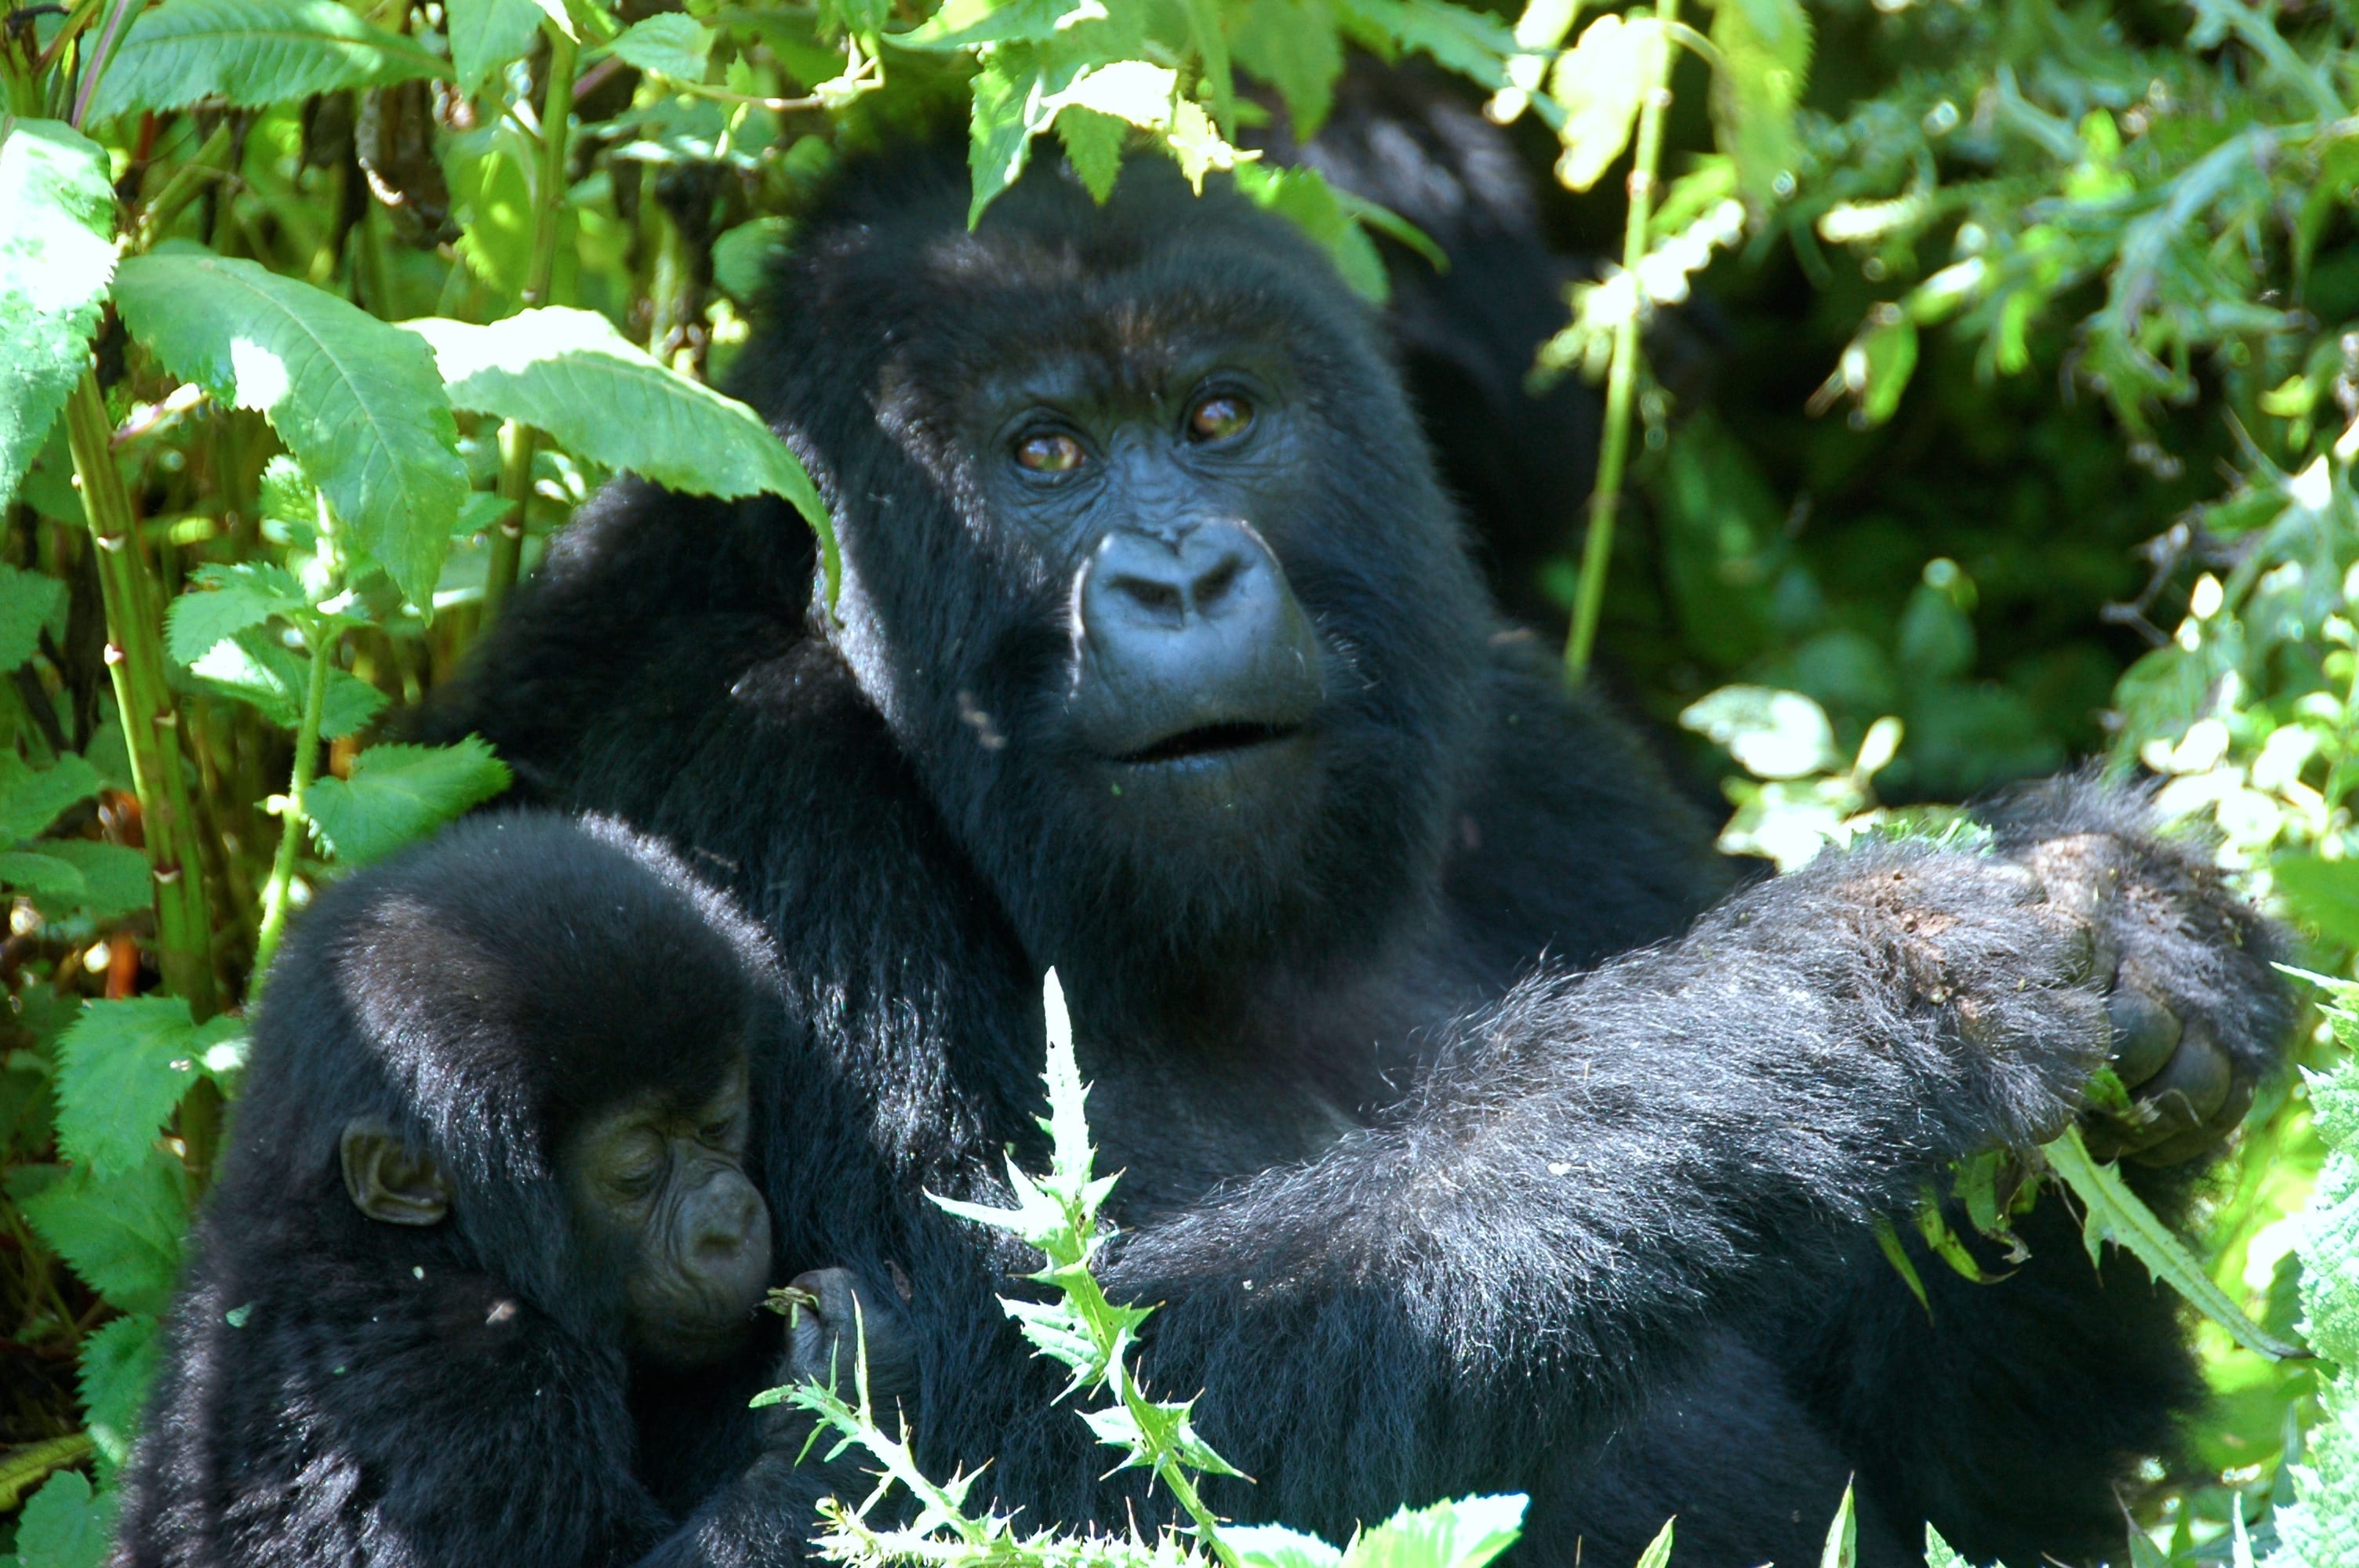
x: 2199, y: 1140
x: 2199, y: 1069
x: 2145, y: 1032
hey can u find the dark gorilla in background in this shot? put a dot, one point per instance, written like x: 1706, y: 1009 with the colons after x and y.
x: 1475, y: 1136
x: 486, y: 1249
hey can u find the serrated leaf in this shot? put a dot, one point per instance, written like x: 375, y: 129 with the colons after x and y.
x: 1093, y: 146
x: 1658, y: 1550
x: 57, y: 253
x: 1939, y: 1554
x: 122, y: 1068
x: 1466, y: 1533
x: 64, y: 1526
x: 969, y: 23
x: 569, y: 372
x: 118, y: 1362
x: 742, y: 257
x: 358, y: 402
x: 31, y: 799
x: 488, y: 34
x: 120, y: 1234
x: 253, y: 668
x: 60, y: 883
x: 2113, y: 1213
x: 251, y: 54
x: 669, y: 44
x: 115, y: 880
x: 30, y: 603
x: 225, y: 601
x: 1599, y: 82
x: 1304, y: 198
x: 398, y: 793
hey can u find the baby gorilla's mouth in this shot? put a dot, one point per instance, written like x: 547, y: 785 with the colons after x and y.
x: 1210, y: 740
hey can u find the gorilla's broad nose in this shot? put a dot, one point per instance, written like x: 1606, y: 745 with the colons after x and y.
x: 1191, y: 641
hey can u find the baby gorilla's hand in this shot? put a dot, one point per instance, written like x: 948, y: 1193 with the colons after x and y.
x: 833, y: 1318
x: 2195, y: 1015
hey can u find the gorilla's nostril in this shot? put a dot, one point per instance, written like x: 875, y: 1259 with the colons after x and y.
x: 1215, y: 583
x: 1163, y: 597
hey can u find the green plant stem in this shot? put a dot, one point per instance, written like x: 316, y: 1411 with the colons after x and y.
x: 188, y: 183
x: 151, y: 723
x: 517, y: 442
x: 1622, y: 380
x: 323, y: 638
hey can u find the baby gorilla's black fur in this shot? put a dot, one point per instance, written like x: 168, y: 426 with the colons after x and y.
x: 1474, y: 1135
x: 453, y: 1388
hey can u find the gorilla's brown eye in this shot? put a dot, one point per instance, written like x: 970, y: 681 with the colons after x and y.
x: 1051, y: 451
x: 1218, y: 417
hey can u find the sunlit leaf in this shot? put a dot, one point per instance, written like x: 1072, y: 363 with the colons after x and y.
x: 357, y: 400
x: 56, y: 252
x: 399, y: 794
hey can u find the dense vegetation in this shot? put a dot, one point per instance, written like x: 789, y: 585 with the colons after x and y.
x: 2008, y: 402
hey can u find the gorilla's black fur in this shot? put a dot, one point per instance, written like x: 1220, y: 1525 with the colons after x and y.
x: 339, y: 1390
x: 1475, y: 1137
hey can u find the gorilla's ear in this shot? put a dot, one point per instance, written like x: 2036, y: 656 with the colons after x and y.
x: 387, y: 1180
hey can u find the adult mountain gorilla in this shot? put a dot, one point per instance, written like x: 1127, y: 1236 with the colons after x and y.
x: 1160, y: 660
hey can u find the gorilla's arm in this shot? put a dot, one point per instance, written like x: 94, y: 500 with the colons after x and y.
x: 1605, y: 1163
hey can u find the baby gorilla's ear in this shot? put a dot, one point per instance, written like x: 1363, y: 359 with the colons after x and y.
x: 387, y: 1180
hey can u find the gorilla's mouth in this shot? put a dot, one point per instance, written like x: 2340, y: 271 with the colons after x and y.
x: 1210, y: 740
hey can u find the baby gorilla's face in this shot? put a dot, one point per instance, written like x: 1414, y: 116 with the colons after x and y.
x: 661, y: 1188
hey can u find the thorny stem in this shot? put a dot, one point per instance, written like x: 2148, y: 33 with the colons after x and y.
x: 518, y: 441
x: 151, y: 725
x: 1621, y: 380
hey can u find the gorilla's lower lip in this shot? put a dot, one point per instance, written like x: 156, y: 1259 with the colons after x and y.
x: 1210, y: 740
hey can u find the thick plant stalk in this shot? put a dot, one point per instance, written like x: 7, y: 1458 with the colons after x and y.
x: 1622, y: 380
x: 517, y: 442
x: 151, y: 723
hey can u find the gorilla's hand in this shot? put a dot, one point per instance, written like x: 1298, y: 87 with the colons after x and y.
x: 834, y: 1318
x: 2197, y: 1015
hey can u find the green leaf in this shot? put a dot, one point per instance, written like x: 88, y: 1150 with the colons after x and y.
x: 1658, y: 1550
x: 1887, y: 1241
x: 251, y: 54
x: 669, y: 44
x: 2323, y: 894
x: 1466, y: 1533
x: 1599, y: 82
x: 1294, y: 46
x: 60, y: 884
x: 118, y: 1362
x: 225, y: 601
x: 398, y: 793
x: 29, y: 603
x: 64, y: 1526
x: 122, y: 1235
x: 1939, y: 1554
x: 2115, y: 1214
x: 115, y: 880
x: 255, y: 668
x: 569, y: 372
x: 30, y: 800
x: 488, y: 34
x: 1093, y: 146
x: 357, y: 401
x: 742, y: 257
x: 1842, y: 1549
x: 1303, y: 197
x: 56, y: 252
x: 1001, y: 118
x: 1458, y: 37
x: 1763, y: 65
x: 121, y: 1069
x: 1275, y: 1546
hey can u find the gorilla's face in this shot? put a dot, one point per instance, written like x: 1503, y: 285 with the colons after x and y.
x: 1145, y: 566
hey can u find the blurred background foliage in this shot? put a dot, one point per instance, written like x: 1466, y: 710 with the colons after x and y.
x: 1986, y: 374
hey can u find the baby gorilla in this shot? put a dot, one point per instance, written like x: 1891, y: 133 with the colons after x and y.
x: 488, y: 1189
